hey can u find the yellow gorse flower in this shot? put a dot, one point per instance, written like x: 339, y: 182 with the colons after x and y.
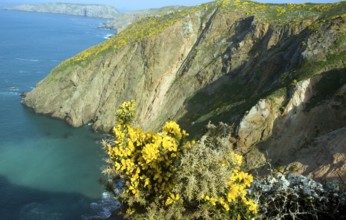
x: 150, y: 152
x: 169, y: 144
x: 173, y: 129
x: 172, y: 198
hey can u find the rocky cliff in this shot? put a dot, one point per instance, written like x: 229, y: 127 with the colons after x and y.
x: 275, y: 74
x: 97, y: 11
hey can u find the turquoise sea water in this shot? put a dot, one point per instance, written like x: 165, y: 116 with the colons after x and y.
x: 48, y: 170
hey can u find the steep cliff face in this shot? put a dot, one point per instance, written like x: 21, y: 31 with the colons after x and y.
x: 276, y: 73
x: 142, y: 71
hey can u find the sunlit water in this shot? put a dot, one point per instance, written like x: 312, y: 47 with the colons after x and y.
x: 48, y: 170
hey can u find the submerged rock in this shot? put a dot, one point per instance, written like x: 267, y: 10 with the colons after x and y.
x: 38, y: 211
x: 104, y: 208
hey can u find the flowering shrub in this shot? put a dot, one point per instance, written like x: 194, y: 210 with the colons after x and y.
x: 144, y: 161
x: 164, y: 176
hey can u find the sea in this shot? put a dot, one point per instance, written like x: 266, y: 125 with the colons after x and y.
x: 48, y: 170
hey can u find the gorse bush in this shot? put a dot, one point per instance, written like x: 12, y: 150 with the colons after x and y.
x: 145, y: 161
x: 164, y: 176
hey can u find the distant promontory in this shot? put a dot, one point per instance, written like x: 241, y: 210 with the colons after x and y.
x: 86, y: 10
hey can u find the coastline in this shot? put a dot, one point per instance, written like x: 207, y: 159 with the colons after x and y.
x: 81, y: 10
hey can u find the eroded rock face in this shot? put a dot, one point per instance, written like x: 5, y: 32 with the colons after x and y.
x: 310, y: 138
x: 256, y: 125
x: 302, y: 93
x: 325, y: 157
x: 298, y: 131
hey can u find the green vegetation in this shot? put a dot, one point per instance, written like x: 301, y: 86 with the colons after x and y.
x: 341, y: 40
x: 309, y: 69
x: 224, y: 4
x: 284, y: 13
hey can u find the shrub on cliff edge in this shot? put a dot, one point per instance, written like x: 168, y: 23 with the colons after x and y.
x: 164, y: 176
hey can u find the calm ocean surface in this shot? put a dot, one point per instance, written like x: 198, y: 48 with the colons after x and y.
x: 47, y: 169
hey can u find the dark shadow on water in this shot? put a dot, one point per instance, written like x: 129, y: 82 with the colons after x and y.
x: 48, y: 134
x: 45, y: 125
x: 18, y: 202
x: 67, y: 135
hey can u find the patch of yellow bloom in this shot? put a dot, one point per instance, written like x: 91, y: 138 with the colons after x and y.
x: 172, y: 198
x: 150, y: 152
x: 237, y: 159
x: 253, y: 207
x: 125, y: 114
x: 172, y: 128
x: 145, y: 160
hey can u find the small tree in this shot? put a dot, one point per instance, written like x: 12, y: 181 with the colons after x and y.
x: 164, y: 176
